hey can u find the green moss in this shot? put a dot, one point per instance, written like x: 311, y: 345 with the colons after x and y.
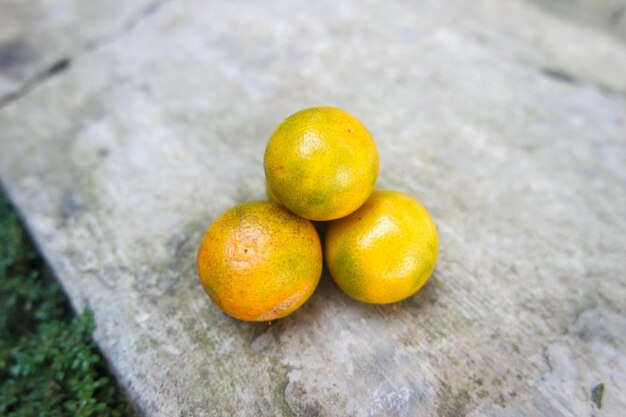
x: 49, y: 363
x: 596, y: 395
x: 279, y: 372
x: 452, y: 403
x: 483, y: 393
x: 148, y: 344
x: 279, y: 395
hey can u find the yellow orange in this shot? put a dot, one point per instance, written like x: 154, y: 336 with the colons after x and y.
x: 260, y: 262
x: 384, y: 251
x: 270, y: 194
x: 321, y: 163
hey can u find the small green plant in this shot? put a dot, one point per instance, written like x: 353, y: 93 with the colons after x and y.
x: 49, y: 363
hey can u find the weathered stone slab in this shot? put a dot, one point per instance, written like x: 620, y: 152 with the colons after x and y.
x: 38, y: 38
x: 606, y: 15
x: 507, y: 122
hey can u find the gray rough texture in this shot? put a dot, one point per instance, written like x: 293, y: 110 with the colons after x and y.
x: 40, y: 37
x: 506, y: 119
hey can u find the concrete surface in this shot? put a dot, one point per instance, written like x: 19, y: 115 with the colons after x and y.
x: 127, y: 127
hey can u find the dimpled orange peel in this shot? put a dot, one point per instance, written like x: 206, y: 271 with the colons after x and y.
x: 270, y: 194
x: 321, y: 163
x: 384, y: 251
x: 260, y: 262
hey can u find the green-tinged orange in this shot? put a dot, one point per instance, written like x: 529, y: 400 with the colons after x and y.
x: 321, y: 163
x: 270, y: 194
x: 319, y: 225
x: 383, y: 252
x: 260, y: 262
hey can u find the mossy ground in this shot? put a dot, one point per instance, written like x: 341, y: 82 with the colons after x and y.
x: 49, y: 363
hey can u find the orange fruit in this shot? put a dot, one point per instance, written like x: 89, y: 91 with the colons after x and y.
x: 260, y: 262
x: 384, y: 251
x: 321, y: 163
x: 270, y: 194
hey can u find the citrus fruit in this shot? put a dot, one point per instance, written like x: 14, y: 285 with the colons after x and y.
x: 384, y: 251
x: 270, y: 194
x: 260, y: 262
x: 320, y: 226
x: 321, y: 163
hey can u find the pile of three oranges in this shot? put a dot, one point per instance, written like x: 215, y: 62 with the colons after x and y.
x: 261, y: 260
